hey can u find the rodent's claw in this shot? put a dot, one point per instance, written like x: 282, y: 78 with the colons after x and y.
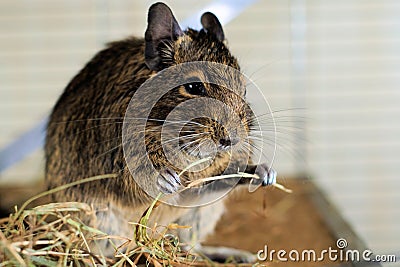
x: 168, y: 181
x: 267, y: 175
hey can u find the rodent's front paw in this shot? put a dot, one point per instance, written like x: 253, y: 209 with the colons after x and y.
x: 168, y: 181
x: 267, y: 175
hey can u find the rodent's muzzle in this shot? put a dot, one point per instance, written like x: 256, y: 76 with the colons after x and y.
x: 204, y: 137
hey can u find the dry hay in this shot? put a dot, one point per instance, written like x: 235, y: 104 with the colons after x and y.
x: 50, y: 235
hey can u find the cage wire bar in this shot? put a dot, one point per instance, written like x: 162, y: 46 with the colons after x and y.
x: 298, y: 30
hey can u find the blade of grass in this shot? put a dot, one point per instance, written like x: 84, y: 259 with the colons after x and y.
x: 63, y: 187
x: 281, y: 187
x: 9, y: 247
x: 40, y: 261
x: 220, y: 177
x: 194, y: 164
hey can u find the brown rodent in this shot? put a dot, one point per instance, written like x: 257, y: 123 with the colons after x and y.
x: 84, y: 134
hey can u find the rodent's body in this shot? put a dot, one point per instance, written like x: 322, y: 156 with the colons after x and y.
x: 84, y: 132
x: 86, y: 123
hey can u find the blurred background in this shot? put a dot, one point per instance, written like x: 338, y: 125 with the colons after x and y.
x: 330, y: 70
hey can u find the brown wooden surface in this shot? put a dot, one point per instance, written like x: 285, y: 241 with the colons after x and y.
x: 277, y: 219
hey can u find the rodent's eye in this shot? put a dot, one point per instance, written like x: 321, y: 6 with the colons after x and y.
x: 195, y: 88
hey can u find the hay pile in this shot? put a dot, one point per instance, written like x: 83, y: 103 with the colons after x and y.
x: 50, y: 235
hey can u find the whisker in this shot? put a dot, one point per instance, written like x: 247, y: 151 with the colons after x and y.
x: 273, y: 130
x: 191, y: 136
x: 260, y: 151
x: 290, y: 151
x: 274, y: 112
x: 288, y: 109
x: 174, y: 122
x: 90, y: 119
x: 108, y: 151
x: 269, y: 127
x: 279, y: 120
x: 131, y: 118
x: 150, y: 151
x: 194, y: 148
x: 187, y: 145
x: 245, y: 147
x: 280, y: 135
x: 96, y: 126
x: 263, y: 68
x: 271, y: 140
x: 109, y: 140
x: 146, y: 130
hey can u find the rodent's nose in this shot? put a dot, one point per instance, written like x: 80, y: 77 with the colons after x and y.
x: 225, y: 142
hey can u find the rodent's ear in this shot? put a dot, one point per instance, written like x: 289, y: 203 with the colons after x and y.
x: 161, y: 27
x: 212, y: 25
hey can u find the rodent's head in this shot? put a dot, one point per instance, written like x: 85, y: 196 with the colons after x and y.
x: 167, y: 45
